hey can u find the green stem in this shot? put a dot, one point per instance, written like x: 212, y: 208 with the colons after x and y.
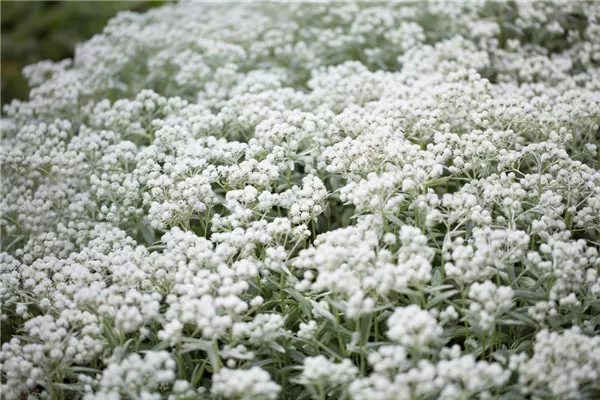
x: 339, y: 333
x: 322, y: 395
x: 281, y: 291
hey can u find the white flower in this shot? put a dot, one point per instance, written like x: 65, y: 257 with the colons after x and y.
x: 253, y: 383
x: 413, y: 327
x: 490, y: 302
x: 307, y: 330
x: 561, y: 362
x: 319, y: 370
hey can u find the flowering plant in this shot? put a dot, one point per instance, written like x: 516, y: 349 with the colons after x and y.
x: 346, y: 201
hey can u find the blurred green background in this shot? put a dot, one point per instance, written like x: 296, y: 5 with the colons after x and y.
x: 48, y: 30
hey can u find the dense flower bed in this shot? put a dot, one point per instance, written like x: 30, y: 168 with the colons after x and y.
x: 345, y: 201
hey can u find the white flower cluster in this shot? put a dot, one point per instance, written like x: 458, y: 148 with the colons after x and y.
x: 253, y: 383
x: 489, y: 301
x: 414, y: 328
x: 136, y: 375
x: 323, y: 375
x: 327, y: 200
x: 562, y: 363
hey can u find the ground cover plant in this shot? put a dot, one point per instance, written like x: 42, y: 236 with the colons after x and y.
x: 292, y: 201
